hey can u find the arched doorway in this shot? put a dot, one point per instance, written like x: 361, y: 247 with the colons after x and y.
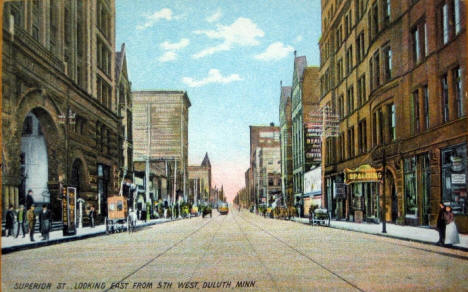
x: 393, y: 196
x: 34, y: 160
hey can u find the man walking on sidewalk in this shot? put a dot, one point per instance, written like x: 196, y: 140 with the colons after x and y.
x: 20, y: 219
x: 45, y: 222
x: 31, y: 221
x: 441, y: 224
x: 91, y: 216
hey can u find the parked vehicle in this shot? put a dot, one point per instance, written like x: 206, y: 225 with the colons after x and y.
x: 320, y: 217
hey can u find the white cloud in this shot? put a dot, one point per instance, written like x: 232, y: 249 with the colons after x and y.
x: 215, y: 16
x: 275, y: 51
x: 214, y: 76
x: 168, y: 56
x: 175, y: 46
x: 243, y: 32
x: 164, y: 13
x: 298, y: 39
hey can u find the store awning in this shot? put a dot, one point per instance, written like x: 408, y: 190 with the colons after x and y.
x: 364, y: 173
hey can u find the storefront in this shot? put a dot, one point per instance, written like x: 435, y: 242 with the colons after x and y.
x: 312, y: 189
x: 454, y: 173
x: 362, y: 193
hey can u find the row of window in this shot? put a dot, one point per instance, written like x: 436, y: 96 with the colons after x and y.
x: 383, y: 119
x: 104, y: 92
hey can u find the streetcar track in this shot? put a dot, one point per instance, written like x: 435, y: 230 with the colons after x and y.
x: 160, y: 254
x: 305, y: 255
x: 257, y: 255
x: 209, y: 244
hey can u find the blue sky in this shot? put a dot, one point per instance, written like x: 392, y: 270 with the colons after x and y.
x: 229, y: 56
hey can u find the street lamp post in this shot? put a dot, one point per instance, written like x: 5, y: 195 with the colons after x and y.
x: 384, y: 223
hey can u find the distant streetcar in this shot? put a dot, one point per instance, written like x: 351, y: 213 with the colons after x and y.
x: 223, y: 209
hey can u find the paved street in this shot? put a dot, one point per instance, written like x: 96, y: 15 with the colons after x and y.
x: 225, y: 251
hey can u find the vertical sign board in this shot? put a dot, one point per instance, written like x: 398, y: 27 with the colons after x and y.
x: 69, y: 211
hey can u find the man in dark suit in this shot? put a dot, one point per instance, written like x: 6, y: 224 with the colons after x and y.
x: 92, y: 216
x: 31, y: 216
x: 45, y: 222
x: 441, y: 224
x: 10, y: 221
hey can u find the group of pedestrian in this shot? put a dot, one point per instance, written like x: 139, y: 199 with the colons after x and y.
x: 21, y: 217
x: 448, y: 233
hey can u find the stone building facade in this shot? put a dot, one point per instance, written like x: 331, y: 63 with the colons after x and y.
x: 60, y: 121
x: 393, y: 71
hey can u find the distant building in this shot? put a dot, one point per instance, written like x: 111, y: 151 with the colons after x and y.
x: 265, y: 163
x: 160, y: 134
x: 305, y: 93
x: 200, y: 181
x: 285, y: 125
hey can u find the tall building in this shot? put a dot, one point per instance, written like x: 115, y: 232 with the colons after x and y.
x: 305, y: 100
x: 200, y: 181
x: 160, y: 136
x: 286, y: 144
x: 393, y: 71
x: 124, y: 97
x: 59, y: 105
x: 265, y: 163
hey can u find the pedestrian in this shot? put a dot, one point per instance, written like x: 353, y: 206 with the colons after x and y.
x: 31, y: 221
x: 91, y: 215
x: 45, y: 222
x: 451, y: 232
x: 21, y: 220
x: 441, y: 224
x: 132, y: 219
x: 10, y: 221
x: 29, y: 199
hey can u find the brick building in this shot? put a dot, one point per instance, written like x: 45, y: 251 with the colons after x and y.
x: 393, y: 71
x: 200, y: 181
x: 286, y: 144
x: 60, y: 121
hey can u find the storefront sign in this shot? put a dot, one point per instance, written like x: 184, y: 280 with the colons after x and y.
x: 69, y: 211
x: 339, y: 190
x: 364, y: 173
x: 458, y: 178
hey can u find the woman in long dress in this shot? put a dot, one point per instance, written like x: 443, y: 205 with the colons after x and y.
x: 451, y: 232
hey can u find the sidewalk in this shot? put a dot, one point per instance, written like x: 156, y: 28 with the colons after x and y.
x: 11, y: 244
x: 420, y: 234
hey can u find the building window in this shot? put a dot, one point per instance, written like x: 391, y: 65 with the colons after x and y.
x: 415, y: 112
x: 411, y: 207
x: 339, y: 70
x: 350, y: 94
x: 454, y: 173
x: 388, y: 62
x: 457, y: 88
x: 457, y: 18
x: 351, y: 142
x: 349, y: 59
x: 360, y: 49
x: 391, y: 122
x: 341, y: 106
x: 339, y: 37
x: 375, y: 19
x: 386, y: 11
x: 362, y: 90
x: 374, y: 129
x: 376, y: 70
x: 445, y: 23
x: 371, y: 73
x: 103, y: 182
x: 426, y: 107
x: 381, y: 125
x: 415, y: 45
x: 362, y: 136
x: 445, y: 98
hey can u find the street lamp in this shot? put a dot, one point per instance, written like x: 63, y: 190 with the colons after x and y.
x: 384, y: 223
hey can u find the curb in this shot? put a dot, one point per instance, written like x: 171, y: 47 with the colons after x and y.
x: 392, y: 236
x: 7, y: 250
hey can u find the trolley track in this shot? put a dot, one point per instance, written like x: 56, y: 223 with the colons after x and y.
x: 161, y: 253
x: 304, y: 255
x: 272, y: 279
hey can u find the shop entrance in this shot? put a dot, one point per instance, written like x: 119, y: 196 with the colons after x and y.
x: 394, y: 198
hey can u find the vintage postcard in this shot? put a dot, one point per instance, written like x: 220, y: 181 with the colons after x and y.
x: 235, y: 145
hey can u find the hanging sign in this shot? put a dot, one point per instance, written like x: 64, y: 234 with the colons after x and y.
x: 364, y: 173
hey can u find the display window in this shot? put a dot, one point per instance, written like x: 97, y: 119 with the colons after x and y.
x: 454, y: 173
